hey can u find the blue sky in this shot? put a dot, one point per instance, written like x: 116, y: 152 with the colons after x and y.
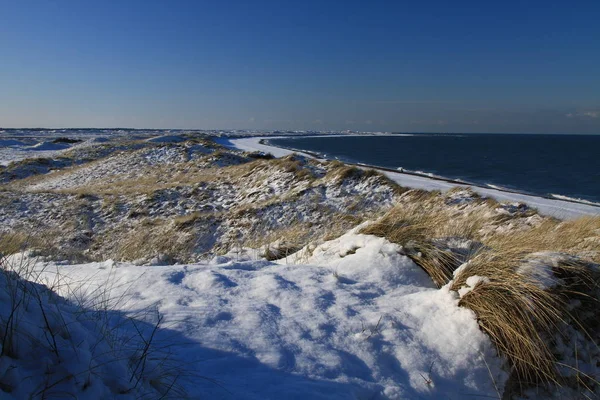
x: 427, y: 66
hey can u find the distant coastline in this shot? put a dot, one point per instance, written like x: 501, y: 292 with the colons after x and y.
x: 558, y: 208
x: 433, y: 177
x: 551, y: 194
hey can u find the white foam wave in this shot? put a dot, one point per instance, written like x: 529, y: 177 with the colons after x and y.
x: 575, y: 199
x: 497, y: 187
x: 429, y: 174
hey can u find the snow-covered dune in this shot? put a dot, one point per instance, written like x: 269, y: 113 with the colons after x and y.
x: 48, y: 146
x: 356, y: 320
x: 167, y: 139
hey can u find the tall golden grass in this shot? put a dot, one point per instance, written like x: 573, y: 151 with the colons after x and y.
x: 419, y: 218
x: 520, y: 312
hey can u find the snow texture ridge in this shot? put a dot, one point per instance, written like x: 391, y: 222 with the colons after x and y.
x: 368, y: 324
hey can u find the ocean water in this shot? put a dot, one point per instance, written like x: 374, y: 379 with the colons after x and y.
x: 543, y: 165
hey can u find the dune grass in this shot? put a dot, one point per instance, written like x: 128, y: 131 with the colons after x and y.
x: 521, y: 309
x: 16, y: 241
x: 418, y: 219
x: 169, y: 240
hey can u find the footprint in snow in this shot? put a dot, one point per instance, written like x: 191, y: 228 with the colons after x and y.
x: 326, y: 301
x: 224, y: 280
x: 285, y: 284
x: 176, y: 277
x: 222, y: 316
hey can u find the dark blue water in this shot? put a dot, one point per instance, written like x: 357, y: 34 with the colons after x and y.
x: 567, y: 165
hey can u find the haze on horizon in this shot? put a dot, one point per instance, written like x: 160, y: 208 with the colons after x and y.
x: 435, y: 66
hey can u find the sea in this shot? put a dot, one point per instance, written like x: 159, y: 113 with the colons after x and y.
x: 558, y: 166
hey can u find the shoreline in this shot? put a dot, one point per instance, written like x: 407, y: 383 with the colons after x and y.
x: 403, y: 171
x: 559, y: 208
x: 433, y: 177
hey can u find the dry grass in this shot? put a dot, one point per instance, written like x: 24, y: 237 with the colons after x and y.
x: 516, y: 309
x: 16, y: 183
x: 147, y: 181
x: 142, y: 180
x: 280, y: 242
x: 517, y: 317
x: 91, y: 157
x: 156, y: 238
x: 521, y: 315
x: 277, y: 243
x: 421, y: 217
x: 338, y: 172
x: 177, y: 237
x: 438, y: 263
x: 151, y: 179
x: 579, y: 237
x: 342, y: 223
x: 41, y: 240
x: 294, y: 164
x: 15, y: 242
x: 188, y: 220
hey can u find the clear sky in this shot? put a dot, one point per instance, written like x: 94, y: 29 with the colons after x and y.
x: 415, y: 66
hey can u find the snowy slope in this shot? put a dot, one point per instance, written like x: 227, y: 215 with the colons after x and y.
x: 252, y: 144
x: 52, y: 348
x: 357, y: 320
x: 16, y: 150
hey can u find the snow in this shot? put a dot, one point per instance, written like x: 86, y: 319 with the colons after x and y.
x: 48, y: 146
x: 53, y: 348
x: 558, y: 208
x: 114, y: 167
x: 167, y: 139
x: 252, y: 144
x: 538, y: 268
x: 471, y: 282
x: 355, y: 320
x: 12, y: 150
x: 348, y: 318
x: 10, y: 142
x: 566, y: 198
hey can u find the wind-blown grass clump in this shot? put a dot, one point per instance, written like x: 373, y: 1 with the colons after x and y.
x: 579, y: 237
x: 422, y: 217
x: 527, y: 303
x: 532, y: 282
